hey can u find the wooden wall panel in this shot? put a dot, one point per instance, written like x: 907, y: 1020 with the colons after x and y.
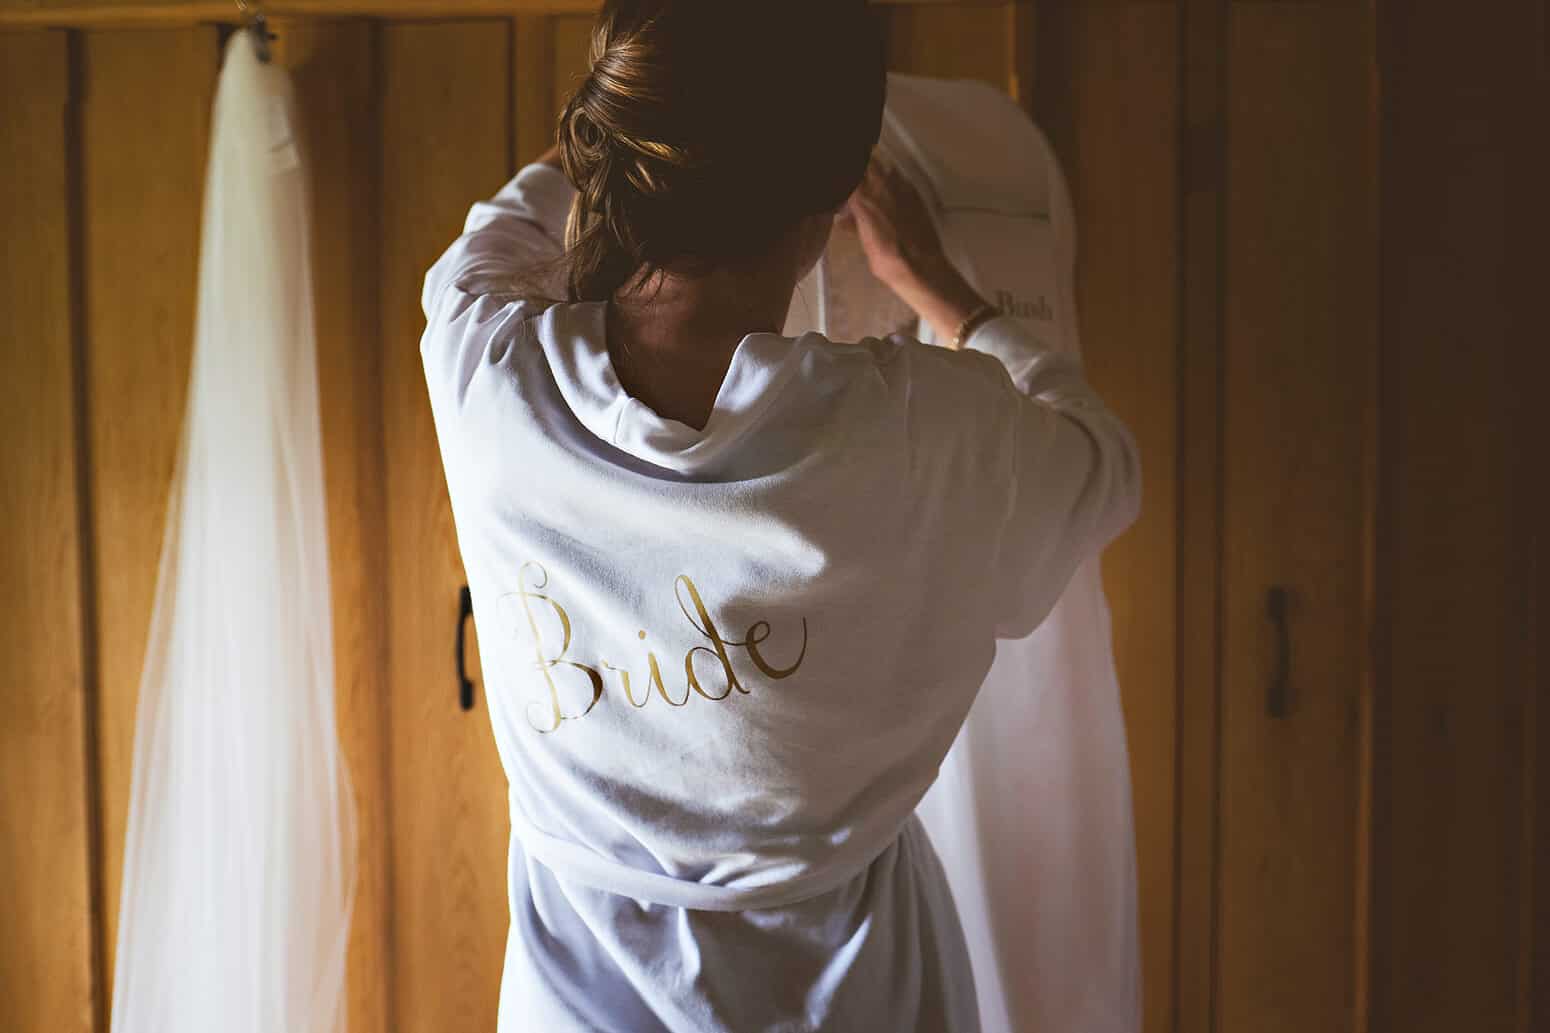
x: 533, y: 113
x: 47, y: 971
x: 1106, y: 90
x: 334, y: 69
x: 572, y: 46
x: 444, y: 145
x: 1126, y: 164
x: 959, y: 43
x: 1464, y: 325
x: 549, y: 59
x: 143, y: 147
x: 1300, y: 335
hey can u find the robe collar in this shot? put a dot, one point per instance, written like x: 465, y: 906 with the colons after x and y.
x: 574, y: 339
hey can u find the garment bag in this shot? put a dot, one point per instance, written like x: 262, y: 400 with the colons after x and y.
x: 1031, y: 811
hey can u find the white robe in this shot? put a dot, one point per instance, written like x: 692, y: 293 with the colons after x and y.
x: 723, y: 666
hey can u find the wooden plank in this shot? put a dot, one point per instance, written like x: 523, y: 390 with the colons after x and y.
x: 1024, y: 43
x: 1200, y: 518
x: 532, y: 88
x: 572, y: 50
x: 1106, y: 89
x: 1464, y: 325
x: 1300, y: 328
x: 47, y: 971
x: 443, y: 147
x: 144, y: 143
x: 956, y: 43
x: 99, y: 13
x: 550, y: 57
x: 334, y: 68
x: 1125, y: 171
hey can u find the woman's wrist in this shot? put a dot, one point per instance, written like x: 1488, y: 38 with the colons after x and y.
x: 940, y: 296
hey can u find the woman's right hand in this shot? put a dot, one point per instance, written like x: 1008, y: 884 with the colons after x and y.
x: 904, y: 250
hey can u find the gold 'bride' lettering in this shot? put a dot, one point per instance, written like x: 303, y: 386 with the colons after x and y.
x: 546, y: 665
x: 655, y: 682
x: 709, y: 631
x: 750, y: 643
x: 695, y: 611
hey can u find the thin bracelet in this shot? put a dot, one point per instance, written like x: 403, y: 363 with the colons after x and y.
x: 973, y: 322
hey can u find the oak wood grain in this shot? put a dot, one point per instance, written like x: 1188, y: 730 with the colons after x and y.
x: 445, y: 143
x: 144, y: 141
x: 1299, y: 329
x: 47, y: 964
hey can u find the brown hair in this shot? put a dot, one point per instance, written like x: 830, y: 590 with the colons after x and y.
x: 707, y: 128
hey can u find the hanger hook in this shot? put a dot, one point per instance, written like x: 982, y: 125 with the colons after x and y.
x: 253, y: 19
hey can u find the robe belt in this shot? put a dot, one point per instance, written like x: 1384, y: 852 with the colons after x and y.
x: 574, y: 862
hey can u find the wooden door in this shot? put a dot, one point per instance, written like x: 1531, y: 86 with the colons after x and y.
x: 1298, y: 348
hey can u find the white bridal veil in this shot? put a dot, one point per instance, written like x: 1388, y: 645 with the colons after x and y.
x: 1031, y: 812
x: 238, y: 867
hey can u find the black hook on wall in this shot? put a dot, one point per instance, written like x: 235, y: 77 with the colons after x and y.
x: 465, y: 687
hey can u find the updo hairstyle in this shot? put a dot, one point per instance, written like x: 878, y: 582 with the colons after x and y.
x: 705, y: 129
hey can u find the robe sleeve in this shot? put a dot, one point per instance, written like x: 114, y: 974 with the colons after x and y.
x: 505, y: 237
x: 488, y: 283
x: 1073, y: 481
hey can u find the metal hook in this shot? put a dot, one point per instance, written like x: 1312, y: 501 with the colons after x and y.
x: 256, y: 23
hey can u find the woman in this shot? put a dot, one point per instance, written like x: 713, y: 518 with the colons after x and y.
x: 735, y: 591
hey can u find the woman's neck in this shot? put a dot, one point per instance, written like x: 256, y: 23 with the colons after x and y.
x: 672, y: 341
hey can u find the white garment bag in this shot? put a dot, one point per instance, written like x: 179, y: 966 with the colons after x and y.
x: 1031, y: 812
x: 238, y: 871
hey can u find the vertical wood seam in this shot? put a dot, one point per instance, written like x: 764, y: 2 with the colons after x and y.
x: 1535, y: 949
x: 1534, y: 937
x: 1181, y: 273
x: 1380, y: 758
x: 85, y: 521
x: 1531, y: 832
x: 1371, y: 598
x: 1203, y: 161
x: 378, y: 427
x: 1218, y: 433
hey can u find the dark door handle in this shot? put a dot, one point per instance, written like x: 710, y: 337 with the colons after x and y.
x: 465, y: 688
x: 1278, y: 698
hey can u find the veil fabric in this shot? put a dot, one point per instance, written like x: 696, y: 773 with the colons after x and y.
x: 238, y: 870
x: 1031, y: 812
